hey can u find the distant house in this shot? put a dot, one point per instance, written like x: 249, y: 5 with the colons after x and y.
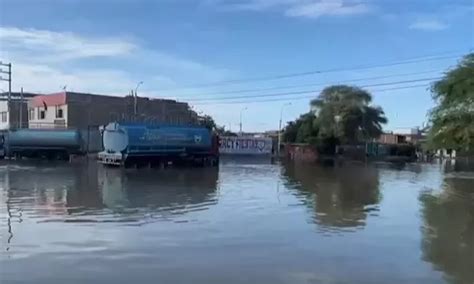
x: 17, y: 115
x: 415, y: 136
x: 392, y: 138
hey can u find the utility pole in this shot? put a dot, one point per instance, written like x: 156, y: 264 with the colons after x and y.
x: 21, y: 108
x: 279, y: 127
x: 135, y: 110
x: 244, y: 108
x: 9, y: 80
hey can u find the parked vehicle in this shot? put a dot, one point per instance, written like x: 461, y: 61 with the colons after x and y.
x: 38, y: 143
x: 133, y: 144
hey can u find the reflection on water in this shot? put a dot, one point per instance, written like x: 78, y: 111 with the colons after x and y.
x: 155, y: 194
x: 340, y: 197
x: 448, y: 230
x: 460, y: 165
x: 96, y: 194
x: 248, y: 221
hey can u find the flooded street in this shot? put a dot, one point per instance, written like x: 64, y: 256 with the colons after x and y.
x: 244, y: 222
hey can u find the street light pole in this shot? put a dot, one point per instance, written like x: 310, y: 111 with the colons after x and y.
x: 241, y: 119
x: 364, y: 131
x: 21, y: 108
x: 279, y: 127
x: 337, y: 119
x: 135, y: 97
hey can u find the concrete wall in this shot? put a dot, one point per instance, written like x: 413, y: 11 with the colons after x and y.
x: 86, y: 110
x: 164, y: 111
x: 94, y: 110
x: 301, y: 152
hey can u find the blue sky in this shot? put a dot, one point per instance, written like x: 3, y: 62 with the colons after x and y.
x: 108, y: 46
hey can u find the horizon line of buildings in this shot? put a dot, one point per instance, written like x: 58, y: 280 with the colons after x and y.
x: 83, y: 110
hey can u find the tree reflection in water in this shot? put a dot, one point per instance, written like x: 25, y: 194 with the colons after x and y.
x: 340, y: 197
x: 448, y: 230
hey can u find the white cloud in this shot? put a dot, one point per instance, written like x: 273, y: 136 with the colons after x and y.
x: 61, y: 46
x: 259, y: 5
x: 321, y: 8
x: 300, y: 8
x: 44, y: 60
x: 428, y: 25
x: 45, y: 79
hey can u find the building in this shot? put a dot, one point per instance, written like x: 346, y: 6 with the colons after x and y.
x: 392, y: 138
x: 82, y: 111
x: 16, y: 115
x: 414, y: 136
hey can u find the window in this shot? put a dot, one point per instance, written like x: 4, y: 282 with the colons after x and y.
x: 31, y: 114
x: 41, y: 114
x: 4, y: 116
x: 59, y: 112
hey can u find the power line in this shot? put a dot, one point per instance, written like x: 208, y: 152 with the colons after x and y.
x: 314, y: 91
x: 300, y: 85
x: 436, y: 57
x: 307, y: 97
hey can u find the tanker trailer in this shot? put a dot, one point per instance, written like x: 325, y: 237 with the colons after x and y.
x: 37, y: 143
x: 127, y: 144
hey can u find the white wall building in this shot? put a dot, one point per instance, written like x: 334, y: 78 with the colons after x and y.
x: 16, y: 116
x: 11, y: 118
x: 4, y: 119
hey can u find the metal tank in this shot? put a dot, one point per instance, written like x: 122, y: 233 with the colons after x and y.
x: 34, y: 142
x: 148, y: 142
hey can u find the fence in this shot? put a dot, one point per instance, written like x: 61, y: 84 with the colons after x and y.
x: 92, y: 139
x: 301, y: 152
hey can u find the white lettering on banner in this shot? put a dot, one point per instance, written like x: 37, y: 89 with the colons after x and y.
x: 245, y: 145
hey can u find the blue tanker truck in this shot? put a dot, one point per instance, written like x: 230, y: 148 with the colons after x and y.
x: 134, y: 144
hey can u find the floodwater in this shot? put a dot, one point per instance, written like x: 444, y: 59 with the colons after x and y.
x: 245, y: 222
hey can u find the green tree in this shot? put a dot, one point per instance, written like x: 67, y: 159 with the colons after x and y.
x: 340, y: 114
x: 291, y: 131
x: 452, y: 120
x: 302, y: 130
x: 344, y: 113
x: 208, y: 122
x: 308, y: 130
